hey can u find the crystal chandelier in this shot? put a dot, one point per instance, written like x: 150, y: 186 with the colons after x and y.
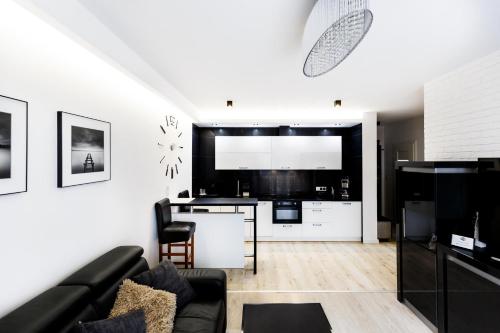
x: 342, y: 24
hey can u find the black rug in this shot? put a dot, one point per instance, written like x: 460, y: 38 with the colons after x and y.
x: 284, y: 318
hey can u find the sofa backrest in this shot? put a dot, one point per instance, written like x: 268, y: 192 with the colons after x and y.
x: 104, y: 275
x: 87, y: 294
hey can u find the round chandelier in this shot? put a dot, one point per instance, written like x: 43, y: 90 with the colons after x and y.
x: 341, y: 25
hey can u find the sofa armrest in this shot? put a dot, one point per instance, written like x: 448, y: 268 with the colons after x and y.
x: 209, y: 284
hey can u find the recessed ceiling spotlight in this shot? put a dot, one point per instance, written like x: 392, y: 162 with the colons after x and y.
x: 337, y: 103
x: 229, y: 103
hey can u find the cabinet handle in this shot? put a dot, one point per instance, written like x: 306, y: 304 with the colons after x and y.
x: 347, y: 203
x: 317, y: 225
x: 317, y: 210
x: 242, y: 167
x: 321, y: 167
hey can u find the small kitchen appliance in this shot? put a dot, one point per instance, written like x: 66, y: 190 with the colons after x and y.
x: 344, y: 188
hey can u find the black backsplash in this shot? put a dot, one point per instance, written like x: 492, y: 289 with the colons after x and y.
x: 263, y: 183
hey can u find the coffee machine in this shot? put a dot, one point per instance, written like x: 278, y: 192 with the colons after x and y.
x: 344, y: 188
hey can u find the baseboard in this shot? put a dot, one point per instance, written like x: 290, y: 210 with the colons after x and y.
x: 370, y: 241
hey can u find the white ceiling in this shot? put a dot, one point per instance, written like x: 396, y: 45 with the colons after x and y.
x: 252, y: 52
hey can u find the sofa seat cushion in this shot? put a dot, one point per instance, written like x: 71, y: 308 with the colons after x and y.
x: 194, y: 325
x: 200, y: 317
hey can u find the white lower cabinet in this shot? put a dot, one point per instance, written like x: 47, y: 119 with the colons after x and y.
x: 321, y: 221
x: 315, y: 215
x: 265, y: 219
x: 317, y: 230
x: 287, y: 231
x: 331, y: 220
x: 248, y: 231
x: 248, y: 212
x: 347, y: 222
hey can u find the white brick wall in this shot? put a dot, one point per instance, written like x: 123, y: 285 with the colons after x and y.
x: 462, y: 112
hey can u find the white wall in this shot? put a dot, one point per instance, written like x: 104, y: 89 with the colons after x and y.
x: 462, y: 112
x: 47, y: 232
x: 369, y: 144
x: 73, y: 18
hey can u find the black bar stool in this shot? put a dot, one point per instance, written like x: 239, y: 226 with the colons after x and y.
x: 173, y: 233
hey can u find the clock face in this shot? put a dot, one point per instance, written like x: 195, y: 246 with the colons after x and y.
x: 170, y: 147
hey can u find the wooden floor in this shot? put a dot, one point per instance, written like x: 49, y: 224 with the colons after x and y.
x: 355, y: 283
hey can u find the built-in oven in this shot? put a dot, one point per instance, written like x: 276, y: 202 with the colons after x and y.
x: 287, y: 211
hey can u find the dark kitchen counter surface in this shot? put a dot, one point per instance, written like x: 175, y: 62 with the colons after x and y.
x: 214, y: 201
x: 284, y: 197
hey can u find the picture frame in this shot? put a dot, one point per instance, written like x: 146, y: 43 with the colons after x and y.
x: 83, y: 150
x: 13, y: 145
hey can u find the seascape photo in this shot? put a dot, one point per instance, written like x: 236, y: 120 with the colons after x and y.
x: 5, y: 144
x: 87, y: 150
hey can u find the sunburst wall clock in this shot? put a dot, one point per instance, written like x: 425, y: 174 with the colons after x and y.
x: 170, y: 147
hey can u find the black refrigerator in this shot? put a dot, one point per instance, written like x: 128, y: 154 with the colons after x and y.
x: 433, y: 200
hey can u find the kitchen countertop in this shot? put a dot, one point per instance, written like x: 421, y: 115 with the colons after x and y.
x: 214, y: 202
x: 292, y: 197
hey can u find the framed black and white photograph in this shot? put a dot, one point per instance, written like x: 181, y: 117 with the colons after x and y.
x: 13, y: 145
x: 83, y: 150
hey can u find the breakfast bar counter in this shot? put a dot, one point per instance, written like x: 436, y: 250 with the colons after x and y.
x: 220, y: 233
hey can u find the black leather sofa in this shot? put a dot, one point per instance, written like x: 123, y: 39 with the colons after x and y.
x: 89, y: 295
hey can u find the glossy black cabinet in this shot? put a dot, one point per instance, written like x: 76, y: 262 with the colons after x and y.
x: 419, y: 284
x: 434, y: 200
x: 470, y: 293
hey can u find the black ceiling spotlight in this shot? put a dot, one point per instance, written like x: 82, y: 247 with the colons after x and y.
x: 229, y: 103
x: 337, y: 103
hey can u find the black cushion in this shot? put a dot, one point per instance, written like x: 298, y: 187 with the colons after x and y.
x: 201, y: 316
x: 50, y: 311
x: 103, y: 271
x: 195, y: 325
x: 209, y: 284
x: 132, y: 322
x: 165, y: 277
x: 177, y: 232
x: 202, y: 309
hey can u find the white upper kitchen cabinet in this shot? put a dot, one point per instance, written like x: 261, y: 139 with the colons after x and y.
x: 321, y: 153
x: 278, y: 152
x: 286, y: 152
x: 242, y: 153
x: 307, y: 153
x: 242, y: 144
